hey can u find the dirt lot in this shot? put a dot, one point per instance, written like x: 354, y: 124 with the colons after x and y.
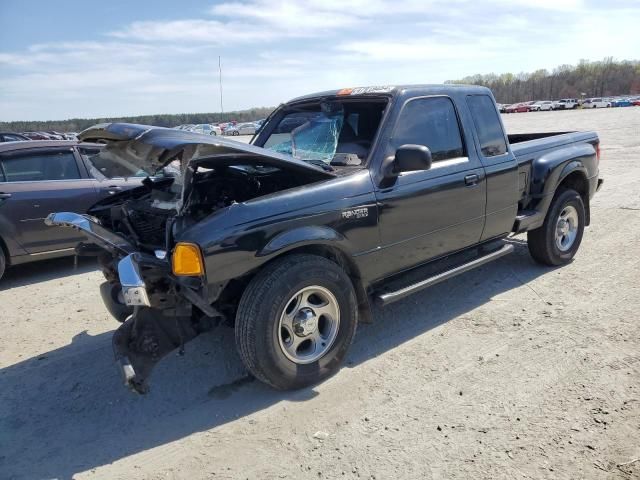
x: 510, y: 371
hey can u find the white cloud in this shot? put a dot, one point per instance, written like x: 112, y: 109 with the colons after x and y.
x: 273, y: 50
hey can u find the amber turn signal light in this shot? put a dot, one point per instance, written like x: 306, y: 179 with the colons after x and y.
x: 187, y: 260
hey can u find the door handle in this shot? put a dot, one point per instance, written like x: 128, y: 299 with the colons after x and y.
x: 472, y: 179
x: 4, y: 196
x: 112, y: 189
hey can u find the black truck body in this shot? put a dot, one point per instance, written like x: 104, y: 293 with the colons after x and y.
x: 396, y: 187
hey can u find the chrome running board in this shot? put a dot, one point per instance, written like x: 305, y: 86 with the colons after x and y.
x: 390, y: 297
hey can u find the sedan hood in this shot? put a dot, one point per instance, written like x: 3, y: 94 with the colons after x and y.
x: 132, y: 147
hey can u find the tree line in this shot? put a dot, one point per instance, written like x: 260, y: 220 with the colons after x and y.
x: 603, y: 78
x: 160, y: 120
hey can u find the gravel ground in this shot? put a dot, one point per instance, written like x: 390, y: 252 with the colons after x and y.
x: 510, y: 371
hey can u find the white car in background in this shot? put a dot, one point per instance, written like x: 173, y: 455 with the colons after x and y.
x: 597, y: 103
x: 565, y: 104
x: 242, y: 129
x: 206, y: 129
x: 541, y: 106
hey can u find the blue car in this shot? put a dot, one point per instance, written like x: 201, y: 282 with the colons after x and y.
x: 621, y: 102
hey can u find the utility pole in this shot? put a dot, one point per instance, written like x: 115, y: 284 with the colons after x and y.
x: 220, y: 77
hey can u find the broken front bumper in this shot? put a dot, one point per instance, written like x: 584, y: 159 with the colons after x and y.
x: 161, y: 321
x: 134, y: 290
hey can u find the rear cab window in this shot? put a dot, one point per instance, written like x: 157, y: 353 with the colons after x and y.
x: 432, y: 122
x: 488, y: 126
x: 40, y: 166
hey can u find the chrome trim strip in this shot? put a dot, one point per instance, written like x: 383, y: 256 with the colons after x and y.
x: 49, y: 252
x: 449, y: 162
x: 94, y: 231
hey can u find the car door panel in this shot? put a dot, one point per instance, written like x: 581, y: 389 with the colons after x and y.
x: 427, y: 214
x: 32, y: 200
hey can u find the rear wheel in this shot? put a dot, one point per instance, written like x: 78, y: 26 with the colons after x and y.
x: 295, y: 321
x: 558, y: 239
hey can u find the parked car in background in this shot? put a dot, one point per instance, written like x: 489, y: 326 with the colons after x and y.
x: 55, y: 135
x: 40, y: 177
x: 541, y: 106
x: 621, y: 102
x: 512, y: 108
x: 13, y: 137
x: 636, y: 102
x: 242, y: 129
x: 599, y: 103
x: 36, y: 135
x: 206, y: 129
x: 524, y: 107
x: 566, y: 104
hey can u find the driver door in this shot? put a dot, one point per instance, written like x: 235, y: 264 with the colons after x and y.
x: 429, y: 213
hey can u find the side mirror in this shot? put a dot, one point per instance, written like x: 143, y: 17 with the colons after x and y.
x: 410, y: 157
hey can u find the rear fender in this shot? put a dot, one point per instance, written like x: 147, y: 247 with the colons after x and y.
x: 549, y: 171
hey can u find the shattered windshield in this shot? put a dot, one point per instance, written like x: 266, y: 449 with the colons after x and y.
x: 312, y: 135
x: 329, y: 132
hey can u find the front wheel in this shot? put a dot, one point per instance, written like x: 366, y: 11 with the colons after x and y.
x: 558, y: 239
x: 295, y: 321
x: 3, y: 263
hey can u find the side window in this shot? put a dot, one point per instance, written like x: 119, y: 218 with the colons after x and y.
x: 431, y: 122
x: 88, y: 155
x: 487, y: 124
x: 11, y: 138
x: 35, y: 167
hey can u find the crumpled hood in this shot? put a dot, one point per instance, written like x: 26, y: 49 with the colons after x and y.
x: 149, y: 148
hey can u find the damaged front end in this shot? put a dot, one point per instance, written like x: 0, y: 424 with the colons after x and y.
x: 135, y: 234
x: 160, y: 312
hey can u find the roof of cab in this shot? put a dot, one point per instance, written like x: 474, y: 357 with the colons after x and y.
x: 394, y: 90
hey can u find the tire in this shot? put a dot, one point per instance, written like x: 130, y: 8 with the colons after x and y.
x: 267, y: 346
x: 3, y: 263
x: 114, y: 303
x: 547, y: 244
x: 236, y: 133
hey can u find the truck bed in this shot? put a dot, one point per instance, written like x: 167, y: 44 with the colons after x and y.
x: 525, y: 146
x: 528, y: 147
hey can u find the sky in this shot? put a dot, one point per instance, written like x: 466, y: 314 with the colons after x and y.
x: 87, y: 59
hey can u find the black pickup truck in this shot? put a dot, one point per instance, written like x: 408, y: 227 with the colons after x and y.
x: 343, y: 199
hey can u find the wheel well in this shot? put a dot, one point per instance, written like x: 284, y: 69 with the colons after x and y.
x: 5, y: 250
x: 578, y: 181
x: 233, y: 291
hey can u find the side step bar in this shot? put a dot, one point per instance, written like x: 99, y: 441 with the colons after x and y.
x: 390, y: 297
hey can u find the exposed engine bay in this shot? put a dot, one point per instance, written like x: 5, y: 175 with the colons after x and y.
x: 147, y: 215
